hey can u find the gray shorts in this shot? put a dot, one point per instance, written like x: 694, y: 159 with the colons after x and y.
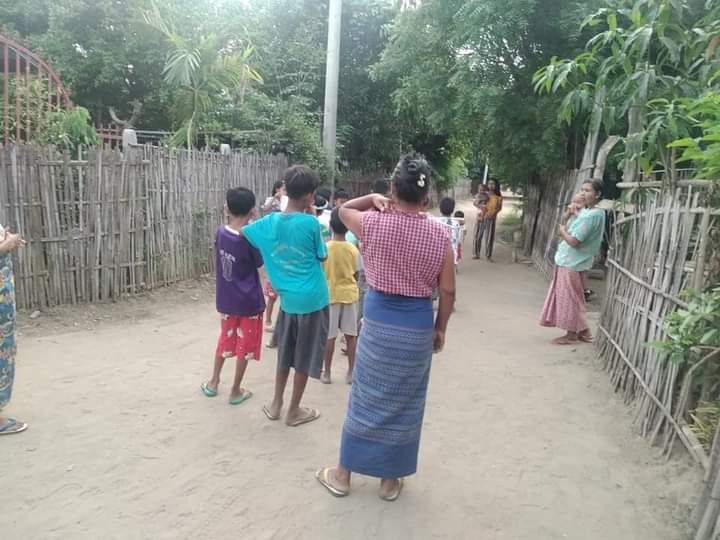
x: 301, y: 341
x: 343, y: 320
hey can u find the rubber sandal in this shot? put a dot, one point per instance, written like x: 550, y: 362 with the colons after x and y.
x: 323, y: 476
x: 269, y: 415
x: 242, y: 398
x: 395, y: 495
x: 313, y: 414
x: 587, y: 338
x: 565, y: 341
x: 12, y: 426
x: 209, y: 392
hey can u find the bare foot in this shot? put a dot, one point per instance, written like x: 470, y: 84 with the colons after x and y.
x: 300, y: 416
x: 273, y: 411
x: 332, y: 481
x: 325, y: 377
x: 568, y: 339
x: 390, y: 489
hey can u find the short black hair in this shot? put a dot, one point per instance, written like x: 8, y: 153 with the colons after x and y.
x: 336, y: 224
x: 277, y: 186
x: 300, y: 180
x: 412, y: 179
x: 459, y: 214
x: 597, y: 186
x: 320, y: 205
x: 240, y: 201
x: 324, y: 193
x: 342, y: 194
x: 381, y: 186
x: 447, y: 206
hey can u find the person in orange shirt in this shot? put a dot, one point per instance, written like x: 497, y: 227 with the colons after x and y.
x: 487, y: 217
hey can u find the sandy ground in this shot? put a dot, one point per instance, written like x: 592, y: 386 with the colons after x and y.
x: 522, y: 440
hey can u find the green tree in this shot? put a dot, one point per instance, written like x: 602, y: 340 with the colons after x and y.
x: 465, y: 68
x: 205, y: 70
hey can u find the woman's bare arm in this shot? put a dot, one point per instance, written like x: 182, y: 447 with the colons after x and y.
x: 565, y: 235
x: 447, y: 298
x: 351, y: 212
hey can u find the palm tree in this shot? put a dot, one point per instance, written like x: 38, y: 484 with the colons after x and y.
x: 205, y: 70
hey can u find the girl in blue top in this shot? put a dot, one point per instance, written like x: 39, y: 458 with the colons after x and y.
x: 565, y: 303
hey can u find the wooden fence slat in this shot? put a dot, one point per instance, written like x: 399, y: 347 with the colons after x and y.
x: 106, y: 224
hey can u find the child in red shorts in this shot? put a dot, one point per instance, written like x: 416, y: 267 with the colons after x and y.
x: 239, y: 295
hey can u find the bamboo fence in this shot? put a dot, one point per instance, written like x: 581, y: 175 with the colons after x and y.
x: 544, y: 204
x: 114, y: 224
x: 658, y: 249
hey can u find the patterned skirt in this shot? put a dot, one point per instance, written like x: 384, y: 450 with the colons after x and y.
x: 7, y: 330
x: 565, y: 303
x: 381, y: 435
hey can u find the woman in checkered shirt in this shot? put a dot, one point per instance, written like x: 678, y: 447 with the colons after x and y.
x: 406, y: 255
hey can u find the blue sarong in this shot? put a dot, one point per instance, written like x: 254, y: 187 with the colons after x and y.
x: 381, y: 435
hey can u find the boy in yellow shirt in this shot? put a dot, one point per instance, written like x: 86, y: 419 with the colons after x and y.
x: 341, y: 269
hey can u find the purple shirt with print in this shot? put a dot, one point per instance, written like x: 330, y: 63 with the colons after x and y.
x: 238, y: 289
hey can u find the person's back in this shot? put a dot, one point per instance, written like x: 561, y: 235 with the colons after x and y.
x: 447, y: 207
x: 238, y: 288
x: 403, y: 253
x: 293, y: 247
x: 341, y: 270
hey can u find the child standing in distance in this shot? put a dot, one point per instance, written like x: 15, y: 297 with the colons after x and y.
x: 447, y: 207
x: 460, y: 217
x: 293, y: 249
x: 239, y: 295
x: 277, y: 202
x: 341, y: 269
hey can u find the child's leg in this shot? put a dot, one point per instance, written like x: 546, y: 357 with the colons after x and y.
x: 327, y: 368
x: 351, y: 348
x: 226, y: 345
x: 214, y: 382
x: 269, y: 311
x: 240, y: 367
x: 281, y: 378
x: 299, y: 383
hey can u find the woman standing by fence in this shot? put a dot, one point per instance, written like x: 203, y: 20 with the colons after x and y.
x: 8, y: 243
x: 565, y: 303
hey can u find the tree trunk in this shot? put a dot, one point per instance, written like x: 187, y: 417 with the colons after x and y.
x: 633, y: 142
x: 588, y: 161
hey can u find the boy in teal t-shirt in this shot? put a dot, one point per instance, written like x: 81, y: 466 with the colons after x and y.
x: 293, y: 249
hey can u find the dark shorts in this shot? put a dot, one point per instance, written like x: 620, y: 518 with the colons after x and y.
x: 301, y: 341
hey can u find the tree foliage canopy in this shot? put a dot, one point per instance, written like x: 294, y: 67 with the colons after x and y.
x: 452, y: 79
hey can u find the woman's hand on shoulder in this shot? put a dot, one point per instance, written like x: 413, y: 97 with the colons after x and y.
x: 381, y: 203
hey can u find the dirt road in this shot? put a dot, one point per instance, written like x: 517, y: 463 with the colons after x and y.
x: 522, y: 440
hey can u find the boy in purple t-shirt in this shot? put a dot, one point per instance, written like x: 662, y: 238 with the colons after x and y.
x: 239, y: 295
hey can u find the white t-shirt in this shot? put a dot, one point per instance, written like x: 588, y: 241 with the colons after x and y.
x: 274, y: 207
x: 456, y: 234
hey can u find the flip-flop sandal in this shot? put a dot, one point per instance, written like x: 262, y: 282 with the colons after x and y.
x: 270, y: 416
x: 395, y: 494
x: 565, y: 341
x: 323, y: 476
x: 12, y: 426
x: 587, y: 339
x: 313, y: 414
x: 209, y: 392
x: 242, y: 398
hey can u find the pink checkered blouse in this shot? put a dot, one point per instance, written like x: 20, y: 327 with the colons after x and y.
x: 403, y: 253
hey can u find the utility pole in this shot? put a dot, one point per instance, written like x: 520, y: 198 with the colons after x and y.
x: 332, y: 75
